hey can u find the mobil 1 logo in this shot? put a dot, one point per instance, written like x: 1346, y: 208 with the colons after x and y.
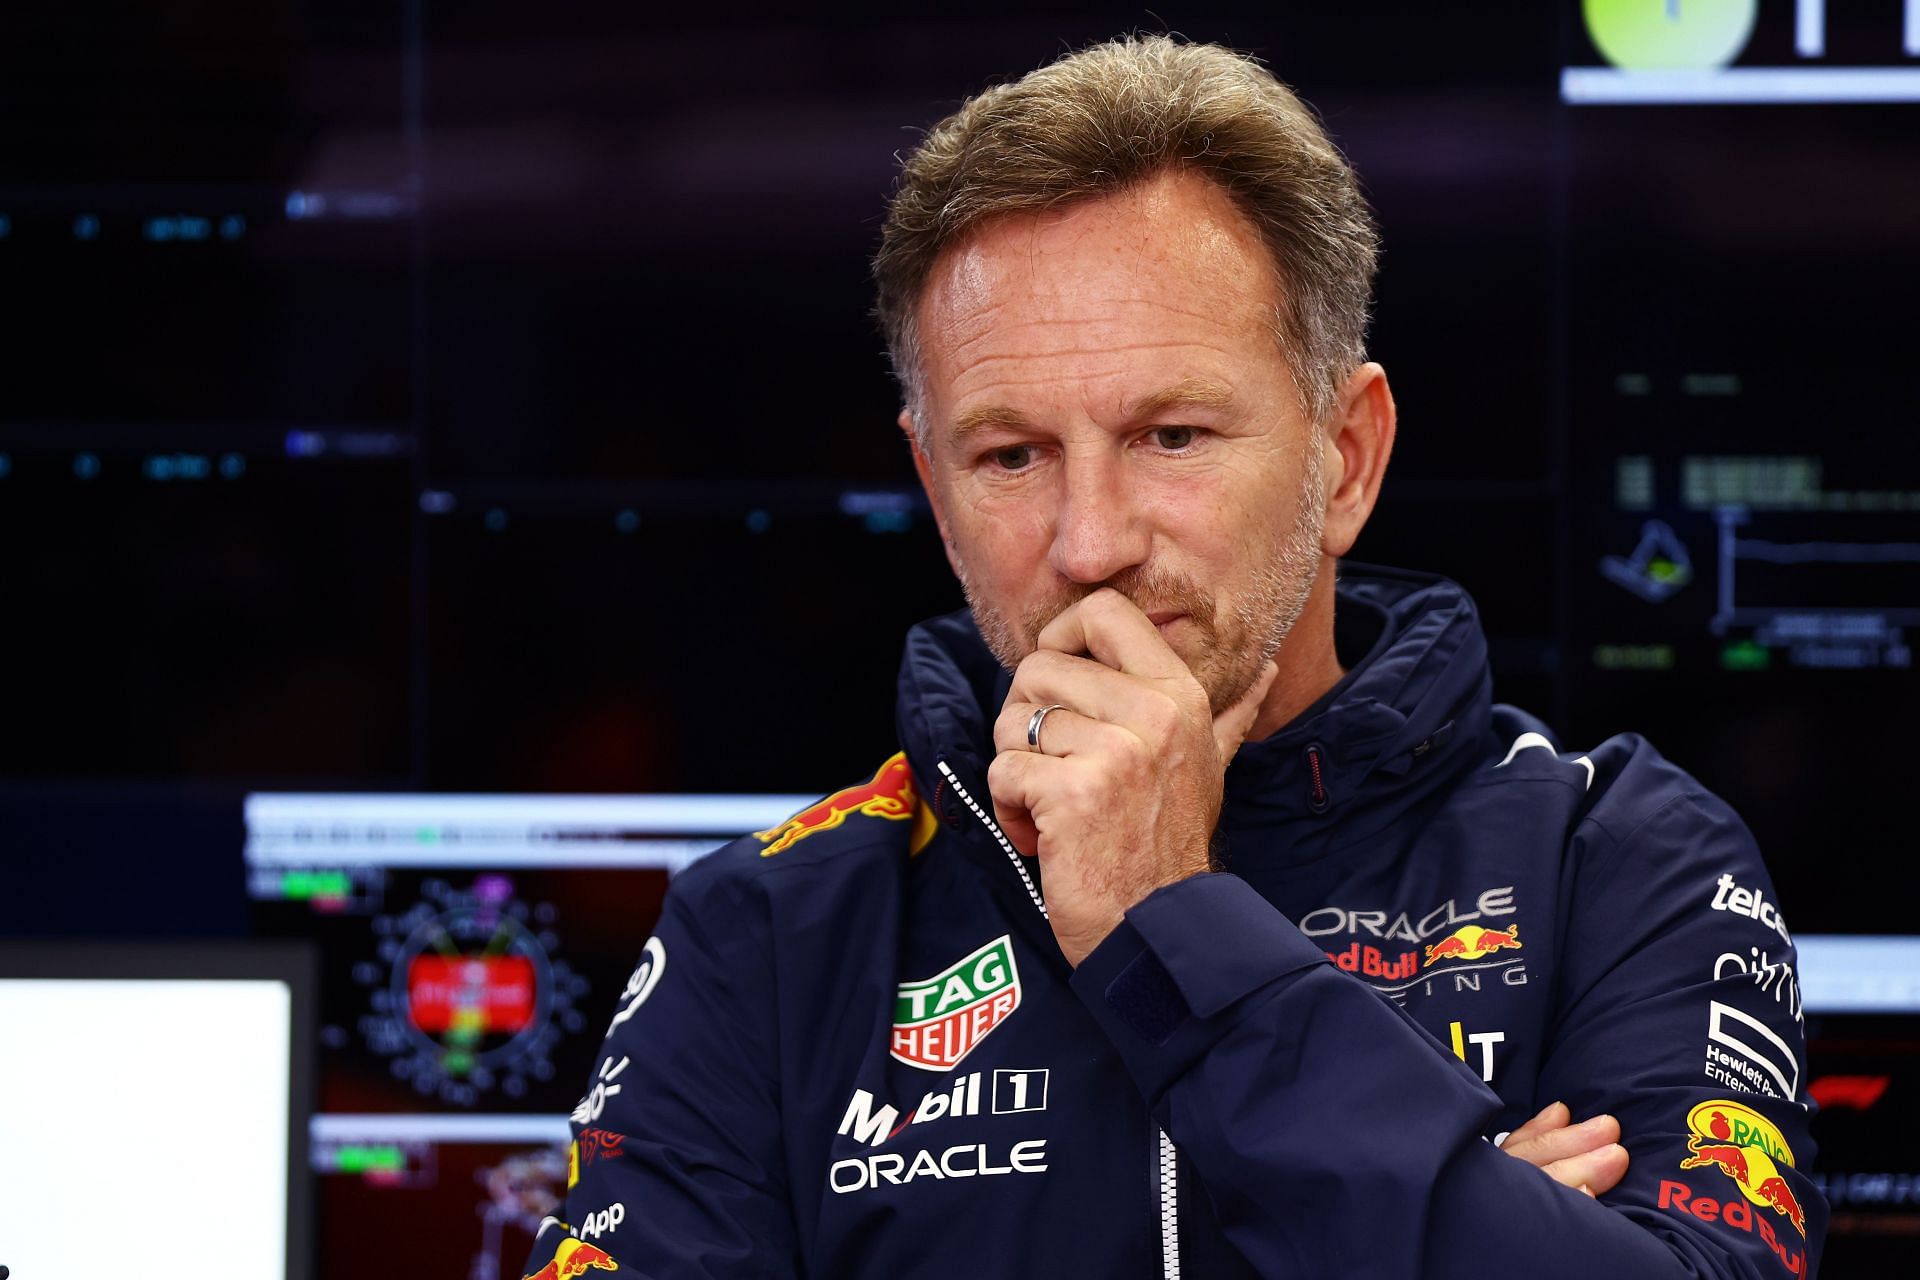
x: 1015, y: 1091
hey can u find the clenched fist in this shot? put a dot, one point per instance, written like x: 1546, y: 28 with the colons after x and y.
x: 1124, y: 792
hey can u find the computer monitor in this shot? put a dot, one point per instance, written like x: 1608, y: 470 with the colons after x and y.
x: 154, y: 1105
x: 472, y: 949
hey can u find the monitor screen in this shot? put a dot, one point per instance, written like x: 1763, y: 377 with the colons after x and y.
x: 471, y: 947
x: 150, y: 1096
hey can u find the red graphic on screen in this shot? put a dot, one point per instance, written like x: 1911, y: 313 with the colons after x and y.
x: 470, y: 993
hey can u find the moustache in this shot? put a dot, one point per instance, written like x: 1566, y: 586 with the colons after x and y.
x: 1151, y: 590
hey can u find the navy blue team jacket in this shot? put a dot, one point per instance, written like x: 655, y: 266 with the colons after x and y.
x: 853, y: 1048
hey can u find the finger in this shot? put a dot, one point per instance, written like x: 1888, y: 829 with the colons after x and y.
x: 1023, y: 782
x: 1230, y: 726
x: 1544, y: 1147
x: 1064, y: 731
x: 1596, y: 1172
x: 1023, y: 779
x: 1565, y: 1142
x: 1113, y: 631
x: 1008, y: 810
x: 1552, y: 1116
x: 1095, y: 691
x: 1008, y: 788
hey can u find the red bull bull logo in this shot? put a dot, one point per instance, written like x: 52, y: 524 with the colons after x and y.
x: 1746, y: 1147
x: 1470, y: 942
x: 574, y: 1258
x: 888, y: 794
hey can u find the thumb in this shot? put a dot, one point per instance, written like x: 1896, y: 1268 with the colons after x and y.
x: 1230, y: 727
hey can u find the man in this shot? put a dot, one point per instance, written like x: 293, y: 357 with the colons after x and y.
x: 1212, y: 919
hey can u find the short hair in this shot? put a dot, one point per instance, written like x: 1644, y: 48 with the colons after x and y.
x: 1117, y: 115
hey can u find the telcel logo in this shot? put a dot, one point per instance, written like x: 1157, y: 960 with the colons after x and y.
x: 1751, y: 903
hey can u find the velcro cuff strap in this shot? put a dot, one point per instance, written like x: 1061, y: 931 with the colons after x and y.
x: 1144, y: 996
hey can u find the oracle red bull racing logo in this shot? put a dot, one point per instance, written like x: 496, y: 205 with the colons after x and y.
x: 937, y: 1021
x: 888, y: 794
x: 1470, y: 942
x: 574, y: 1258
x: 1745, y: 1146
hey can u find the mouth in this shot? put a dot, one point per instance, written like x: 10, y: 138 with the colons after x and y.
x: 1164, y: 618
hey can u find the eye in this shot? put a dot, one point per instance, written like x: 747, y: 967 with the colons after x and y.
x: 1015, y: 457
x: 1175, y: 439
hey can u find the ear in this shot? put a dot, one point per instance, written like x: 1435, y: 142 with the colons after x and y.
x: 1359, y: 441
x: 923, y: 465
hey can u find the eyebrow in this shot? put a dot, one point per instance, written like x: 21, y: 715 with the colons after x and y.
x: 983, y: 418
x: 1201, y: 393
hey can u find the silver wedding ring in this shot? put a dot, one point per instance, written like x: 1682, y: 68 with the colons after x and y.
x: 1034, y: 722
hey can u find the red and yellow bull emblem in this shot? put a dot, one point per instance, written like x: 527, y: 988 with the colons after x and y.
x: 888, y: 794
x: 1744, y: 1145
x: 1470, y: 942
x: 574, y: 1258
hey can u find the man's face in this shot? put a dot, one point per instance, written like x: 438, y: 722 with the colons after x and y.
x: 1108, y: 407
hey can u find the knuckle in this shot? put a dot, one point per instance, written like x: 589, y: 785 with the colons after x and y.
x: 1036, y: 666
x: 1139, y: 755
x: 1164, y: 718
x: 1193, y: 696
x: 1082, y: 790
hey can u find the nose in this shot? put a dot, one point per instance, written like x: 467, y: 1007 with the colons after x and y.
x: 1099, y: 527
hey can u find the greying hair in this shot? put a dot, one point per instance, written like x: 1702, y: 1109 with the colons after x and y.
x: 1114, y: 116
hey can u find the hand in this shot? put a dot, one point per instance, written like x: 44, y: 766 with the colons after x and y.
x: 1127, y: 794
x: 1586, y: 1156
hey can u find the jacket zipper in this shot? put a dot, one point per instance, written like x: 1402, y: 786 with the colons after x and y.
x: 1169, y: 1206
x: 1167, y: 1157
x: 993, y: 828
x: 1317, y: 797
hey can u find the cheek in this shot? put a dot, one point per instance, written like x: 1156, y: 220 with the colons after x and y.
x: 1002, y: 557
x: 1209, y: 529
x: 998, y: 528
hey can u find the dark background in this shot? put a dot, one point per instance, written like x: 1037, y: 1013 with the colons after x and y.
x: 477, y: 397
x: 436, y: 397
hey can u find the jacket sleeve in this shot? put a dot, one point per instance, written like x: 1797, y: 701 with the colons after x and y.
x: 1334, y: 1136
x: 677, y: 1167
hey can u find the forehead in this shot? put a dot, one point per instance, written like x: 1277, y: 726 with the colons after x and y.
x: 1164, y: 272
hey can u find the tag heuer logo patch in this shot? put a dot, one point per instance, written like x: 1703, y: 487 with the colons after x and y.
x: 938, y: 1020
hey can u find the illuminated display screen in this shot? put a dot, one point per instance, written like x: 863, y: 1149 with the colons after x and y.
x: 472, y: 946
